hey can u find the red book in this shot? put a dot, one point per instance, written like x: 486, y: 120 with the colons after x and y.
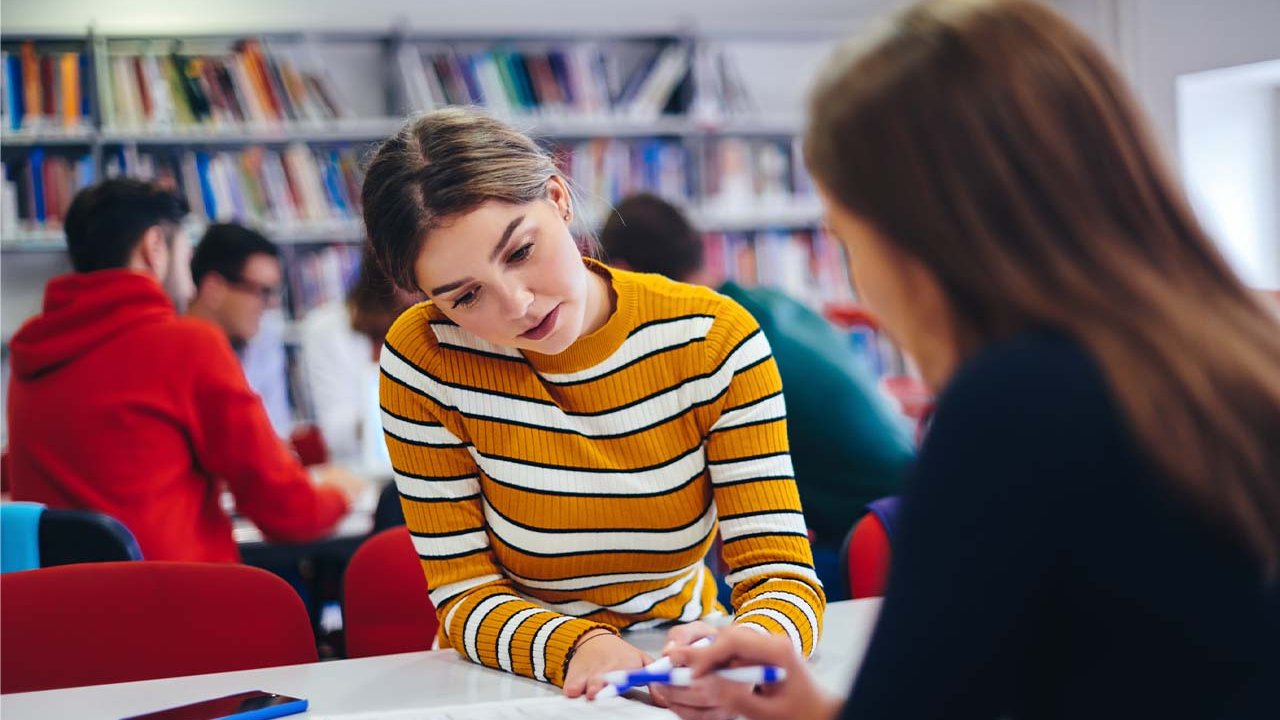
x: 48, y: 97
x: 144, y: 89
x: 544, y: 82
x: 219, y: 107
x: 52, y: 207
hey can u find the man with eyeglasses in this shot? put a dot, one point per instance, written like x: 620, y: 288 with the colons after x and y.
x: 237, y: 277
x: 118, y: 404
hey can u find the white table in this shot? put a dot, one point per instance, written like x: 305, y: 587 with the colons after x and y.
x: 355, y: 524
x: 398, y: 682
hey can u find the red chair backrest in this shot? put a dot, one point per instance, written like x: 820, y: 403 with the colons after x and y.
x: 386, y: 606
x: 869, y: 556
x: 114, y: 622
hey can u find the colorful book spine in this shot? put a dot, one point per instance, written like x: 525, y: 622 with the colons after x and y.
x: 14, y: 91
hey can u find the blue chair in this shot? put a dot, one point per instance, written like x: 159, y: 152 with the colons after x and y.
x: 35, y: 536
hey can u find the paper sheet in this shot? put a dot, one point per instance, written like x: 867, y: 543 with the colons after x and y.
x: 552, y: 708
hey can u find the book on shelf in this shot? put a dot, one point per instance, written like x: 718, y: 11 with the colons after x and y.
x: 44, y: 89
x: 585, y: 79
x: 606, y: 170
x: 299, y: 186
x: 39, y: 187
x: 721, y: 91
x: 806, y: 265
x: 746, y: 173
x: 319, y: 275
x: 156, y: 86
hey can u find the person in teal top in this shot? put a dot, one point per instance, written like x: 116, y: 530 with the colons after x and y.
x: 847, y: 445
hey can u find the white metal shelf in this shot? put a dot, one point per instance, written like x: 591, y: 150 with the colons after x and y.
x: 352, y: 129
x: 778, y: 213
x: 53, y: 135
x: 42, y: 240
x: 371, y: 129
x: 338, y: 231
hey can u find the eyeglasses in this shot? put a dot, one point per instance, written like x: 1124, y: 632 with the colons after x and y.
x: 268, y: 294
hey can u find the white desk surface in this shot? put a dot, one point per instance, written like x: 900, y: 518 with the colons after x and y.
x: 401, y: 682
x: 358, y: 521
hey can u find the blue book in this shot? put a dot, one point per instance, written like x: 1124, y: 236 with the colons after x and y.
x: 469, y: 76
x: 13, y: 86
x: 85, y: 172
x: 652, y: 155
x: 560, y: 70
x: 37, y: 183
x: 333, y: 183
x: 206, y: 188
x: 235, y: 185
x: 86, y: 87
x: 520, y: 72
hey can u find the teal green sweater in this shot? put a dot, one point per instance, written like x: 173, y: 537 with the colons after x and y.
x: 847, y: 446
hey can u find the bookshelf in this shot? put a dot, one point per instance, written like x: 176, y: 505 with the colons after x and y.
x: 670, y: 114
x: 270, y: 129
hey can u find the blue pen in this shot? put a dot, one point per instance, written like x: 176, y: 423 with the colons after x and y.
x: 617, y: 679
x: 683, y: 677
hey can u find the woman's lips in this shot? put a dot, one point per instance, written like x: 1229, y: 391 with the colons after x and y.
x: 544, y: 328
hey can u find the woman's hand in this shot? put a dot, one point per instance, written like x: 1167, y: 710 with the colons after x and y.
x: 796, y: 697
x: 690, y: 703
x: 594, y: 655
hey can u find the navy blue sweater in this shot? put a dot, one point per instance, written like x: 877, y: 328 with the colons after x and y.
x: 1043, y: 569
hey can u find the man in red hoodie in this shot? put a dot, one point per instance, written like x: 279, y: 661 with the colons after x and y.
x: 120, y: 405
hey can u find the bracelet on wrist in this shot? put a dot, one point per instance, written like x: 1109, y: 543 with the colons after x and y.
x: 583, y: 640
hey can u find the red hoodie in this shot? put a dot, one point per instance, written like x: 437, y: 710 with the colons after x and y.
x: 119, y: 405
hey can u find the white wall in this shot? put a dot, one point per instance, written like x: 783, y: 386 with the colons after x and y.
x: 1229, y: 152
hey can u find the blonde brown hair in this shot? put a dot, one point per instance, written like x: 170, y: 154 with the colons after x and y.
x: 442, y: 164
x: 991, y: 140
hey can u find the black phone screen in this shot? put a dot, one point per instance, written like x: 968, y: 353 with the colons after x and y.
x: 227, y: 706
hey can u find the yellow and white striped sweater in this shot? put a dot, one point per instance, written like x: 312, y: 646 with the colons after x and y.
x: 548, y: 495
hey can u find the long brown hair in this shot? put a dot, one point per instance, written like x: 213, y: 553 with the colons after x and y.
x: 991, y: 140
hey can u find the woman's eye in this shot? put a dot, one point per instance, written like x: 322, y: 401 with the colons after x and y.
x: 466, y: 299
x: 520, y: 254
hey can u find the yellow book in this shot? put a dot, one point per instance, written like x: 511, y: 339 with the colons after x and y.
x: 70, y: 67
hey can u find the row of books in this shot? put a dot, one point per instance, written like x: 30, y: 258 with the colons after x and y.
x: 721, y: 90
x: 318, y: 275
x: 45, y: 89
x: 246, y: 85
x: 38, y: 189
x: 811, y: 267
x: 743, y: 172
x: 582, y: 78
x: 808, y: 266
x: 605, y: 171
x: 301, y: 185
x: 159, y: 85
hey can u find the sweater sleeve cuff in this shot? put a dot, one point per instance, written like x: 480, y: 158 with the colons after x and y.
x: 561, y: 643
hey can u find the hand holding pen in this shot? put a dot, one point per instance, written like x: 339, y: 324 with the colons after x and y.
x: 794, y: 694
x: 619, y: 681
x: 683, y: 677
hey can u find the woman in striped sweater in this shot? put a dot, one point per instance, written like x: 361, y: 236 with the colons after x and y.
x: 567, y: 436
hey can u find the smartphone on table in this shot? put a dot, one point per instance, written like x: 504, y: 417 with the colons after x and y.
x: 251, y: 705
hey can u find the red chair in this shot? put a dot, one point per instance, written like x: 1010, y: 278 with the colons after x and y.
x: 115, y: 622
x: 386, y: 607
x: 866, y: 553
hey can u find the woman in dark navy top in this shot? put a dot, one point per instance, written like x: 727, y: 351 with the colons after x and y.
x: 1093, y: 526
